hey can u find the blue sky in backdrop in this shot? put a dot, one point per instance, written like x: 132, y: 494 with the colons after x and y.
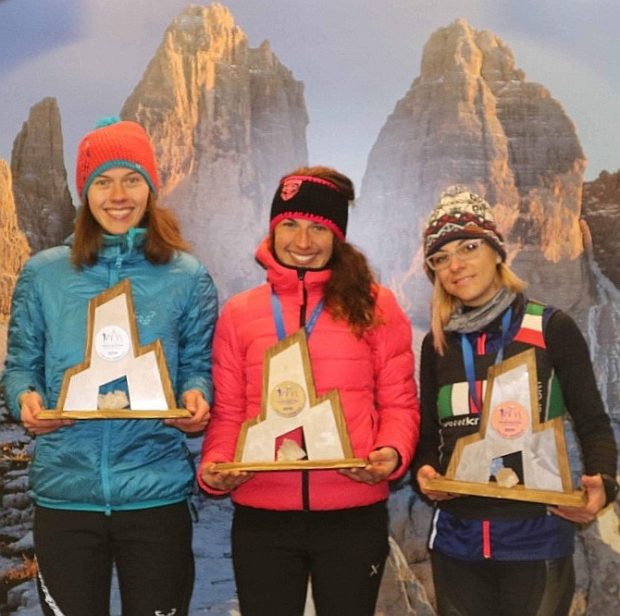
x: 357, y: 58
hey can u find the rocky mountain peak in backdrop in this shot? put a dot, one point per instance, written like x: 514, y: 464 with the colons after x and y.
x: 44, y: 206
x: 14, y: 249
x: 601, y: 211
x: 227, y: 121
x: 472, y: 118
x: 601, y: 223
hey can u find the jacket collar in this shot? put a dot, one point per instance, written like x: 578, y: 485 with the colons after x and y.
x: 286, y: 279
x: 127, y: 245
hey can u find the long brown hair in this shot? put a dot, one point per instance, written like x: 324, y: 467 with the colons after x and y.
x: 163, y: 235
x: 351, y: 292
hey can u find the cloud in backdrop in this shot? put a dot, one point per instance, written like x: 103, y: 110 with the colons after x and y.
x: 357, y: 58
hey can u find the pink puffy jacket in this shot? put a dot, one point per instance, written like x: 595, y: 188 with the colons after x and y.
x: 374, y: 376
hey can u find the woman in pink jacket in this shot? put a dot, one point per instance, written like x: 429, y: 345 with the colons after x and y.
x: 328, y: 524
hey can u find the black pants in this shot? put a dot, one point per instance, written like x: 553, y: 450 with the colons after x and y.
x: 151, y: 549
x: 503, y: 588
x: 343, y: 552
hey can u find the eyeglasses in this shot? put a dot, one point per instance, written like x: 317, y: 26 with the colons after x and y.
x: 441, y: 260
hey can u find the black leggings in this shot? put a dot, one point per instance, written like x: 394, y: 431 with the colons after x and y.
x: 503, y: 588
x: 151, y: 549
x: 343, y: 552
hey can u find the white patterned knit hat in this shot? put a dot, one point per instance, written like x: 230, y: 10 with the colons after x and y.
x: 461, y: 214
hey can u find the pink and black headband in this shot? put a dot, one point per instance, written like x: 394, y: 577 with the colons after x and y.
x: 314, y: 198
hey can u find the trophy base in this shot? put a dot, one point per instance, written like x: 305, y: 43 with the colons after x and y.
x: 115, y: 414
x: 577, y: 498
x: 291, y: 465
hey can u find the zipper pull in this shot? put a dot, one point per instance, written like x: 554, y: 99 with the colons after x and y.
x: 114, y: 270
x: 300, y: 287
x: 131, y: 234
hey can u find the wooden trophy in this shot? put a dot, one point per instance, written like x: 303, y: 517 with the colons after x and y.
x: 510, y: 424
x: 289, y: 403
x: 113, y: 355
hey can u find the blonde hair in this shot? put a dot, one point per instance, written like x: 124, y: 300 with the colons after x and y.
x: 443, y: 304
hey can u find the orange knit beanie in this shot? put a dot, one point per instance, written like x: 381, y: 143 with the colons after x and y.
x: 115, y: 143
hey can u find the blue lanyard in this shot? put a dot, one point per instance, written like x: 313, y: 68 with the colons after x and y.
x: 276, y: 306
x: 468, y: 357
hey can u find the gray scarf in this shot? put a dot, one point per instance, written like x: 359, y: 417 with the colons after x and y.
x: 478, y: 318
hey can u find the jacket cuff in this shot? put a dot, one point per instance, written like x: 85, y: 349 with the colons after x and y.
x: 611, y: 488
x: 398, y: 469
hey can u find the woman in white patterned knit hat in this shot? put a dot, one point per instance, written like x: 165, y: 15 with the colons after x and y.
x: 493, y: 556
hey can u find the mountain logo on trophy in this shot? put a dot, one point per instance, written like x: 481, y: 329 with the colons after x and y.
x: 510, y: 425
x: 290, y: 405
x: 118, y: 378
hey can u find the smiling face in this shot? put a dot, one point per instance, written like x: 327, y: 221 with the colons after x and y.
x: 300, y: 242
x: 475, y: 280
x: 117, y: 199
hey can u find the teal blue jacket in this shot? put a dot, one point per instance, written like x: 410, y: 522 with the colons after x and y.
x: 110, y: 464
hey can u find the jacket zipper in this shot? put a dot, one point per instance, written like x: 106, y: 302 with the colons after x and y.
x: 481, y: 349
x: 113, y: 278
x: 105, y: 467
x: 302, y: 296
